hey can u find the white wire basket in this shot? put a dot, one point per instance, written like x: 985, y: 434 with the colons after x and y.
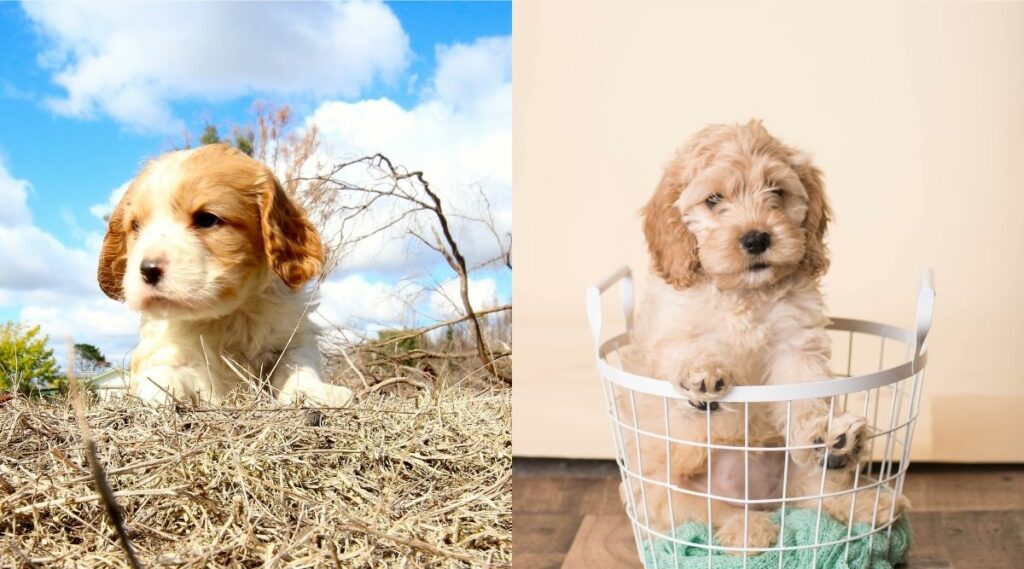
x: 878, y: 373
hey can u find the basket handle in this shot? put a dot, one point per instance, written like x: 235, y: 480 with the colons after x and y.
x: 925, y: 306
x: 594, y: 311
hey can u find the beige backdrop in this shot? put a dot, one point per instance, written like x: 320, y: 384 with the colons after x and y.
x: 916, y: 114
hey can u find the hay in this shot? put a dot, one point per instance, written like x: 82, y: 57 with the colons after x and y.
x: 390, y: 482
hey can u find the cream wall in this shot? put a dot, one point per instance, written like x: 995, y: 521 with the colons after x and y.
x: 914, y: 111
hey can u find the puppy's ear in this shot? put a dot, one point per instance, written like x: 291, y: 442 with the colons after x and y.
x: 114, y: 253
x: 672, y: 247
x: 291, y: 243
x: 815, y: 262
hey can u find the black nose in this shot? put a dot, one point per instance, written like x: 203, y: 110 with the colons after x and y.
x: 151, y: 272
x: 755, y: 242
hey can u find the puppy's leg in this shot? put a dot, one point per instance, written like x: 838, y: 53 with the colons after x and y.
x: 298, y: 376
x: 655, y: 462
x: 727, y: 519
x: 805, y: 358
x: 870, y: 505
x: 163, y: 384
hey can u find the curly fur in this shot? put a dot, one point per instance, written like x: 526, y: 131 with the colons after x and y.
x: 717, y: 314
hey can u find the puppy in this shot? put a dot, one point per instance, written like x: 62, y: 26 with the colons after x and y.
x: 207, y: 246
x: 735, y: 231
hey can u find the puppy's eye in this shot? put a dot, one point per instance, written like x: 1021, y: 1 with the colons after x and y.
x: 135, y: 226
x: 778, y: 192
x: 205, y: 220
x: 713, y: 200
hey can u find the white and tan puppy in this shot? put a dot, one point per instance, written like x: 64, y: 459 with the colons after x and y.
x: 736, y: 232
x: 207, y: 246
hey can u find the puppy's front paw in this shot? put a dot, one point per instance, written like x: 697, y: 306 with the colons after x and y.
x: 336, y: 395
x: 164, y: 384
x: 844, y: 441
x: 702, y: 384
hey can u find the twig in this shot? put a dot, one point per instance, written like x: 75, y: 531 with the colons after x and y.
x: 106, y: 493
x: 414, y: 543
x: 392, y: 381
x: 344, y: 354
x: 25, y: 560
x: 421, y: 331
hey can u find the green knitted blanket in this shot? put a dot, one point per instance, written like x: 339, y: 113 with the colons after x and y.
x: 885, y: 550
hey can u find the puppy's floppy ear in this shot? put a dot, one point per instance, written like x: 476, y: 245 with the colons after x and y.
x: 291, y: 243
x: 815, y: 262
x: 114, y: 253
x: 672, y: 247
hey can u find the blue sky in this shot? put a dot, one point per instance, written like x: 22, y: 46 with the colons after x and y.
x: 80, y: 112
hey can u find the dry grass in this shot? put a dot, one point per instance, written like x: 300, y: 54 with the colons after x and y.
x: 389, y: 482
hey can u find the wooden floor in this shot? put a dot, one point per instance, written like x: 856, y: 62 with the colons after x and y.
x: 568, y: 514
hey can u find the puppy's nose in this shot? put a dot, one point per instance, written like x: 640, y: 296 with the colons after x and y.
x: 756, y: 242
x: 151, y: 271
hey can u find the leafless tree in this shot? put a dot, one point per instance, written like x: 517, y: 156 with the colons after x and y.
x: 354, y: 200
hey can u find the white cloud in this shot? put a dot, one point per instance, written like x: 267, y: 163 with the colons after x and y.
x: 35, y: 260
x: 362, y: 306
x: 32, y: 258
x: 93, y: 320
x: 14, y: 197
x: 354, y: 302
x: 446, y: 301
x: 459, y: 135
x: 101, y: 211
x: 466, y: 71
x: 130, y: 61
x: 54, y: 284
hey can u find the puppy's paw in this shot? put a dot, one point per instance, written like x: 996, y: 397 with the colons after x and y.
x: 336, y: 395
x: 163, y: 384
x: 761, y: 531
x: 887, y: 510
x: 702, y: 384
x: 844, y: 441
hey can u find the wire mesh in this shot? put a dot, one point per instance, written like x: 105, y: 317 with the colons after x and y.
x: 679, y: 464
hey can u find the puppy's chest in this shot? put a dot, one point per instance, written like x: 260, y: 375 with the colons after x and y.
x: 221, y: 351
x: 747, y: 329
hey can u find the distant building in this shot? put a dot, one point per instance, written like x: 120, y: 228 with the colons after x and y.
x: 109, y: 383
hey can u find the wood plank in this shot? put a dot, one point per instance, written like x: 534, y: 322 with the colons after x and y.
x: 603, y: 541
x: 993, y: 540
x: 565, y: 495
x: 958, y: 488
x: 537, y: 560
x: 928, y: 550
x: 942, y: 540
x: 963, y: 517
x: 544, y: 533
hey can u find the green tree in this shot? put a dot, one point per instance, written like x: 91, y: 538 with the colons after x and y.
x: 89, y: 359
x: 245, y: 140
x: 210, y: 135
x: 25, y: 361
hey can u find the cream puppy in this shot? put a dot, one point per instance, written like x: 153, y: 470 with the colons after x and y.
x: 736, y: 232
x: 207, y: 246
